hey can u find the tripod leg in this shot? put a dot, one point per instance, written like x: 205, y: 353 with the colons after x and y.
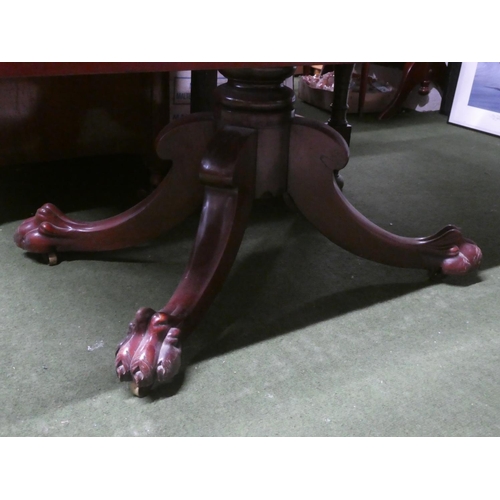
x: 315, y: 153
x: 151, y: 351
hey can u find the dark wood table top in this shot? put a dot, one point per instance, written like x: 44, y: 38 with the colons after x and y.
x: 33, y: 69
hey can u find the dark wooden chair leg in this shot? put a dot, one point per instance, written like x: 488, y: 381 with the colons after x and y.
x: 363, y: 87
x: 338, y: 118
x: 151, y: 351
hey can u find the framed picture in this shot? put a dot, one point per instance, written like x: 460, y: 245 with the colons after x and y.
x: 476, y: 103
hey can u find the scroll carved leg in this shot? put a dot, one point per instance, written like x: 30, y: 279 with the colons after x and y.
x: 151, y: 351
x: 315, y: 153
x: 179, y: 194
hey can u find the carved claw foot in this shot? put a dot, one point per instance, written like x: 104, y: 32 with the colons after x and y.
x: 48, y: 230
x: 448, y: 252
x: 150, y: 352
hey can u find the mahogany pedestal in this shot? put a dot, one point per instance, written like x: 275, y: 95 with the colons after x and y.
x: 251, y: 146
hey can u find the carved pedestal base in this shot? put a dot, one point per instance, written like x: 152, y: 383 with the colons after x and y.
x: 251, y: 145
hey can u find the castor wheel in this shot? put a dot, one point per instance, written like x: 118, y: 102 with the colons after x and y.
x: 140, y: 392
x: 52, y: 259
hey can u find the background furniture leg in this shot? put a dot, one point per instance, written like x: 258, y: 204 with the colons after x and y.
x: 414, y: 74
x: 338, y: 118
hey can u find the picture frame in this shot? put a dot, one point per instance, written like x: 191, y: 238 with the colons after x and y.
x: 476, y: 103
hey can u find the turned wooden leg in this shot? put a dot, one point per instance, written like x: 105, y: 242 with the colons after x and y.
x: 363, y: 87
x: 316, y: 152
x: 338, y: 117
x: 179, y: 194
x: 151, y: 351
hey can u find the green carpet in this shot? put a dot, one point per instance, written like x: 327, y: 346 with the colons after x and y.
x: 305, y: 339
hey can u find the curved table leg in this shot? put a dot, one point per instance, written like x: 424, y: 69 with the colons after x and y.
x: 179, y: 194
x: 151, y: 351
x: 316, y: 152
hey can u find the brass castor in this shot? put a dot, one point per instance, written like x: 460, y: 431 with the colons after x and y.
x: 140, y: 392
x: 52, y: 259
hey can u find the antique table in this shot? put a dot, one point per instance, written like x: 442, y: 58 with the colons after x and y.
x: 251, y: 145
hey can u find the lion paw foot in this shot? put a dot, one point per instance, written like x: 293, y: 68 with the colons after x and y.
x: 46, y: 231
x: 151, y: 351
x: 467, y: 259
x: 448, y: 252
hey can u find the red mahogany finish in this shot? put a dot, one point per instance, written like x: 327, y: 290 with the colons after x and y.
x: 30, y: 69
x: 152, y: 348
x: 251, y: 145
